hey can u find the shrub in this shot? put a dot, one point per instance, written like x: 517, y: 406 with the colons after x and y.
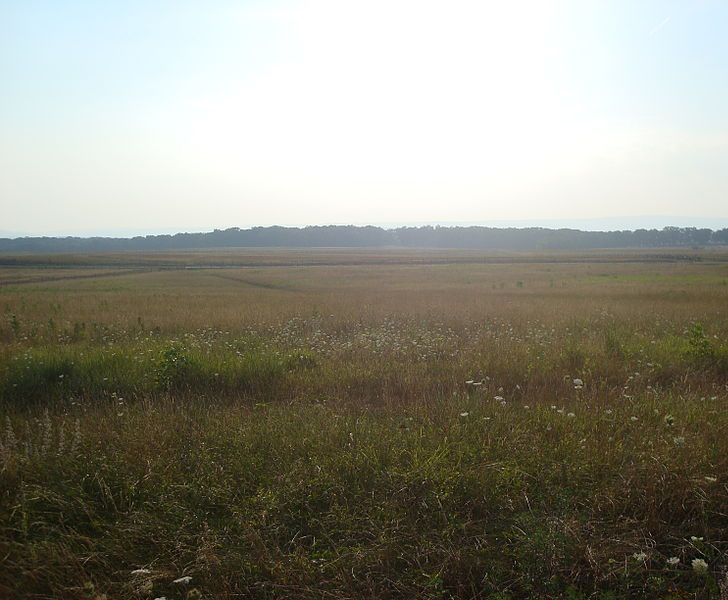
x: 705, y: 354
x: 174, y: 368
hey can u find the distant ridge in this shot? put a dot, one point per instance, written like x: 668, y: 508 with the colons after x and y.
x: 349, y: 236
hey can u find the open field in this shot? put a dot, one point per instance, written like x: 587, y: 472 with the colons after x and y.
x: 364, y: 424
x: 250, y: 257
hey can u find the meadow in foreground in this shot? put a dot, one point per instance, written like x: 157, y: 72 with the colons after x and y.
x: 365, y: 431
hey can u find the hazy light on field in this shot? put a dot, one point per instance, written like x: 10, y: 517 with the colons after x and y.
x: 318, y: 112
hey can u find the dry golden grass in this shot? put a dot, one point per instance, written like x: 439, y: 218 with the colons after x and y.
x: 354, y: 256
x: 235, y: 298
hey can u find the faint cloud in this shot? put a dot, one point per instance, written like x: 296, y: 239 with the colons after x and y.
x: 660, y: 25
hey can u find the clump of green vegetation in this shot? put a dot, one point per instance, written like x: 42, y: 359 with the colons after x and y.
x: 58, y: 375
x: 66, y: 374
x: 174, y: 369
x: 705, y: 353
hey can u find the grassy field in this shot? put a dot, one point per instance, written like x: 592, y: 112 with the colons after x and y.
x: 337, y: 424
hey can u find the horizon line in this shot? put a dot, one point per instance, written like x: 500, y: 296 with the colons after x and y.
x: 713, y: 223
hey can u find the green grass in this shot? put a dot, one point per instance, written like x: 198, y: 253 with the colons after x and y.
x: 61, y: 375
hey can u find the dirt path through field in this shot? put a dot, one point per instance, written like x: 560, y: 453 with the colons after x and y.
x: 72, y: 277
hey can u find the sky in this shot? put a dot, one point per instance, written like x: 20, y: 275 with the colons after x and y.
x: 154, y: 115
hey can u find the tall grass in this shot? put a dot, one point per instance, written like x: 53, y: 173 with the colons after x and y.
x: 443, y: 438
x: 435, y: 499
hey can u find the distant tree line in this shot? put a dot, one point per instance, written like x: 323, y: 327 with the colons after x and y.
x: 532, y: 238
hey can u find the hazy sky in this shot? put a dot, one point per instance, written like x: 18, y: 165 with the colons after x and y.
x: 174, y: 114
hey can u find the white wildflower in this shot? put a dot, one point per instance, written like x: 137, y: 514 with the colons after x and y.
x: 578, y: 384
x: 464, y: 414
x: 699, y: 565
x: 570, y: 415
x: 640, y: 556
x: 673, y: 560
x: 498, y: 398
x: 694, y: 538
